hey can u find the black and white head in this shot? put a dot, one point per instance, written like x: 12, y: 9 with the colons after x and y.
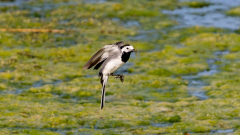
x: 127, y: 48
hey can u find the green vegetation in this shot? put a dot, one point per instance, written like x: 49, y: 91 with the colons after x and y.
x: 234, y: 11
x: 45, y: 91
x: 195, y: 4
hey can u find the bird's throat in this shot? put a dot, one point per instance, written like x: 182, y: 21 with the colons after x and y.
x: 125, y: 56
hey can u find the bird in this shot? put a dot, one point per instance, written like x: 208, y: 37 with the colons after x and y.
x: 110, y: 58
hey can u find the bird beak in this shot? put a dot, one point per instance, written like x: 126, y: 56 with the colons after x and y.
x: 134, y: 50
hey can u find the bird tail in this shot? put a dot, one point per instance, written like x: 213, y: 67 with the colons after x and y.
x: 104, y: 79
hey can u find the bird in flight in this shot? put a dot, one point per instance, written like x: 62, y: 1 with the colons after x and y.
x: 109, y: 58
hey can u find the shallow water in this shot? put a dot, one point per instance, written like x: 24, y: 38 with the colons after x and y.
x: 94, y: 1
x: 195, y: 85
x: 210, y: 16
x: 223, y: 131
x: 41, y: 83
x: 12, y: 3
x: 161, y: 124
x: 131, y: 23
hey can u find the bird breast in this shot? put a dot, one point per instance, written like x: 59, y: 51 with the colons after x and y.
x: 112, y: 66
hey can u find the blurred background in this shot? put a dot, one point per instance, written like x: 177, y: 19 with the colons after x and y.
x: 185, y: 78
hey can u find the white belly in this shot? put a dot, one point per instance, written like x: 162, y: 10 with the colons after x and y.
x: 112, y: 66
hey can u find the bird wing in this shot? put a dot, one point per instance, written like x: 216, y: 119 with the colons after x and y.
x: 99, y: 65
x: 102, y: 54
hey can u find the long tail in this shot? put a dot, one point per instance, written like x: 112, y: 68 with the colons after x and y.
x: 104, y: 79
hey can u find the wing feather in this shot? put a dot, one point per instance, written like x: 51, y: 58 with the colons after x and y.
x: 102, y: 54
x: 94, y: 59
x: 99, y: 65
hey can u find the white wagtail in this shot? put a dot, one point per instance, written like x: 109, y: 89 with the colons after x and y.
x: 110, y: 58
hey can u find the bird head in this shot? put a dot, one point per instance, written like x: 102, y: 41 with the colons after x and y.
x: 127, y: 48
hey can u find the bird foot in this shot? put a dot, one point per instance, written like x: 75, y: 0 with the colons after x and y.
x: 121, y: 77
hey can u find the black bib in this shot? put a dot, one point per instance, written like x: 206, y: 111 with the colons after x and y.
x: 125, y: 56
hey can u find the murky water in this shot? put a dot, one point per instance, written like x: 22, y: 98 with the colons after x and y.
x: 210, y: 16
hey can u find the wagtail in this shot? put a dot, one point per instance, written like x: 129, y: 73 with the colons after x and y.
x: 109, y: 58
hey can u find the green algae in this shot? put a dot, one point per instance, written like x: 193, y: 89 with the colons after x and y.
x: 45, y: 91
x: 175, y: 118
x: 234, y: 11
x: 195, y: 4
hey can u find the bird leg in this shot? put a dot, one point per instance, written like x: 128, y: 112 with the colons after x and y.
x: 121, y: 77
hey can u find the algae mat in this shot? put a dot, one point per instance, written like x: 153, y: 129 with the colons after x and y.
x: 45, y: 91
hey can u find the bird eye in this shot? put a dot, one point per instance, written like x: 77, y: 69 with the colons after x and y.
x: 127, y: 47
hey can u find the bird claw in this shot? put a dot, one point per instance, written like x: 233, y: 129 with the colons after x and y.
x: 121, y: 77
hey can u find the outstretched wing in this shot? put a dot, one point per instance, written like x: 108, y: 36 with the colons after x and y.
x: 102, y: 54
x: 99, y: 65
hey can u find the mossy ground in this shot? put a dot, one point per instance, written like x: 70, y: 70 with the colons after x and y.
x: 45, y: 91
